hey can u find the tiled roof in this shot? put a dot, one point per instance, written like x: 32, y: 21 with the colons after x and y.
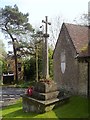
x: 79, y: 35
x: 85, y: 53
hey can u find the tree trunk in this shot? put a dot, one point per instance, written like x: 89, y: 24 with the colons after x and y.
x: 15, y: 58
x: 15, y: 53
x: 37, y: 63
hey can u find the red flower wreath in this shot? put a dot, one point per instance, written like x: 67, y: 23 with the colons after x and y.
x: 30, y: 91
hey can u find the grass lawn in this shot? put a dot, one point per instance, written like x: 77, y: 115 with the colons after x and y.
x: 77, y: 107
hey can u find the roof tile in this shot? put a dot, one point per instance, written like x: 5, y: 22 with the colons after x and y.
x: 79, y: 35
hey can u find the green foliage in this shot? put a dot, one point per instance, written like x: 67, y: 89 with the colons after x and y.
x: 32, y: 71
x: 3, y: 65
x: 30, y: 65
x: 40, y: 60
x: 51, y: 62
x: 2, y: 50
x: 77, y: 107
x: 15, y: 24
x: 15, y: 21
x: 25, y: 84
x: 29, y: 69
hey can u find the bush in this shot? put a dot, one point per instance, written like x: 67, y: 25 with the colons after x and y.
x: 26, y: 84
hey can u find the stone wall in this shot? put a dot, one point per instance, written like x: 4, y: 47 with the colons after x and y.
x: 74, y: 78
x: 68, y: 79
x: 83, y: 76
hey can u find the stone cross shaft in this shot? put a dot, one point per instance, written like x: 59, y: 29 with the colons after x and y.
x: 46, y: 65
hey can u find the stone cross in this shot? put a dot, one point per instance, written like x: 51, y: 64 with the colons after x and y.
x: 46, y: 35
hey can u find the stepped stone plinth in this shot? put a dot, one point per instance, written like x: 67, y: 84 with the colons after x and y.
x: 45, y: 97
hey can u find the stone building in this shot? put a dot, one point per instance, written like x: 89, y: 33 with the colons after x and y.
x: 70, y: 72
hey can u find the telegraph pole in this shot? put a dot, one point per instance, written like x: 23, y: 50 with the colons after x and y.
x: 46, y: 35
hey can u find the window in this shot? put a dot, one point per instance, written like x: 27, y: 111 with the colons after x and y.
x: 63, y: 61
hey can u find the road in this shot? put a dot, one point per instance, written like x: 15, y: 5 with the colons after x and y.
x: 8, y: 95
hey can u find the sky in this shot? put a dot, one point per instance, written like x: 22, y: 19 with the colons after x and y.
x: 38, y: 9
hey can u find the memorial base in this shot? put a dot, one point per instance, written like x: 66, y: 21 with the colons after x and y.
x: 39, y: 106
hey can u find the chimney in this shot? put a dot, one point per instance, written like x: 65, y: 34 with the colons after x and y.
x: 89, y: 28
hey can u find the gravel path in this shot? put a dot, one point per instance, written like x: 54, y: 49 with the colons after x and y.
x: 9, y: 95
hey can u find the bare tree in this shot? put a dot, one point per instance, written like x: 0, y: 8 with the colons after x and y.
x: 82, y: 19
x: 55, y: 27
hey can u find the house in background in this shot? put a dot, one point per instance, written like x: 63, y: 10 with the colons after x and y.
x: 11, y: 67
x: 69, y: 72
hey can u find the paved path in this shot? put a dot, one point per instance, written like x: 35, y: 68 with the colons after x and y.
x: 8, y: 95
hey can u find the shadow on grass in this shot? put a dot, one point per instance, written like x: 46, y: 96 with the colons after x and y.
x: 19, y: 114
x: 15, y: 111
x: 12, y: 106
x: 76, y: 107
